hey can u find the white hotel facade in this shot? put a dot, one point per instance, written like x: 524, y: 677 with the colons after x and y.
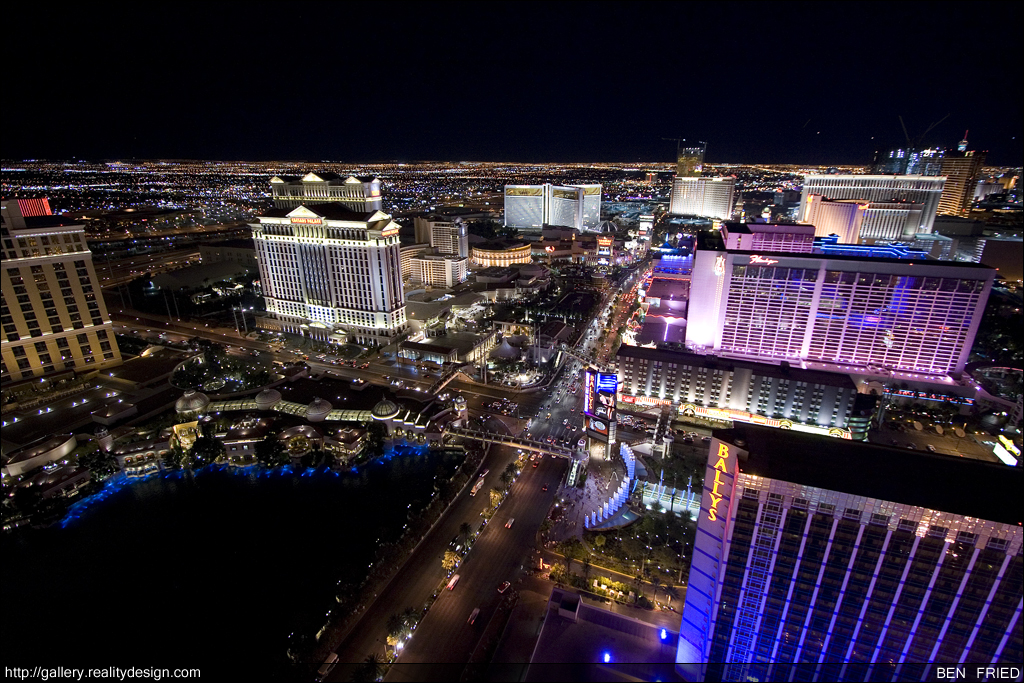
x: 898, y: 206
x: 330, y: 273
x: 711, y: 197
x: 531, y: 207
x: 906, y: 315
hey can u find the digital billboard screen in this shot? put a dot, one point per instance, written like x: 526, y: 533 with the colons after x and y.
x: 598, y: 427
x: 599, y: 401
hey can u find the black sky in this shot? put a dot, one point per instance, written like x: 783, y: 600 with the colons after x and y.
x: 760, y: 82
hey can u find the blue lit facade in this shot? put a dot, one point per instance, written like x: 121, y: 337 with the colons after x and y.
x: 830, y: 246
x: 806, y: 568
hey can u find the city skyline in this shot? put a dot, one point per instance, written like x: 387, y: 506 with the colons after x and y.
x: 766, y: 85
x: 376, y: 335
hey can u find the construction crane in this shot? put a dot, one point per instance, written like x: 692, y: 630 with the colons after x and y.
x: 916, y: 142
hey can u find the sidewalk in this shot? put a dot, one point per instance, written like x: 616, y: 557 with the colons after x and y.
x: 595, y: 493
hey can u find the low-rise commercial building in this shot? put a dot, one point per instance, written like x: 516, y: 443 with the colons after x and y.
x: 501, y: 253
x: 737, y: 390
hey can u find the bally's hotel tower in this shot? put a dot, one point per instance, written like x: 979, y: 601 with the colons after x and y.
x: 820, y: 559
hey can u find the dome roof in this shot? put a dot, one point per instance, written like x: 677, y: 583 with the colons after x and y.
x: 267, y: 399
x: 607, y: 226
x: 317, y: 409
x: 385, y: 410
x: 191, y: 402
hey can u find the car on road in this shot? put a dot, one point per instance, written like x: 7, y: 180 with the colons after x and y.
x: 504, y: 587
x: 508, y: 524
x: 327, y: 666
x: 473, y: 615
x: 544, y: 487
x: 931, y: 448
x: 484, y: 473
x: 455, y: 580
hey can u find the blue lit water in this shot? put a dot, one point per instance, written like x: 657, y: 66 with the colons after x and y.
x: 186, y: 570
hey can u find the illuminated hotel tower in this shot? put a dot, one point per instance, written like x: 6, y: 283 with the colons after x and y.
x: 531, y: 207
x: 690, y: 161
x: 821, y: 559
x: 898, y: 206
x: 710, y: 197
x: 54, y: 317
x: 355, y: 194
x: 842, y: 217
x: 917, y: 316
x: 330, y: 273
x: 962, y: 170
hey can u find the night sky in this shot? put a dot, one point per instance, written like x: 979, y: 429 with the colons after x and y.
x: 808, y: 83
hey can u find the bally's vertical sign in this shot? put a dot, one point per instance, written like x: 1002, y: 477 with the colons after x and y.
x: 707, y: 563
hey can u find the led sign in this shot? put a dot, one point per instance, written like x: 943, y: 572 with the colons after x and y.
x: 762, y: 260
x: 607, y: 382
x: 720, y: 468
x: 307, y: 221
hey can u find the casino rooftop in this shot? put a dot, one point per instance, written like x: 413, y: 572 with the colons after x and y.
x: 939, y: 482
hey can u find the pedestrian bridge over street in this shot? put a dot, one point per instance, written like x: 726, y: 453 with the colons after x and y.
x: 517, y: 442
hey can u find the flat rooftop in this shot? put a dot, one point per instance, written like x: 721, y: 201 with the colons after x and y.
x: 575, y: 651
x: 712, y: 242
x: 713, y: 362
x: 947, y: 483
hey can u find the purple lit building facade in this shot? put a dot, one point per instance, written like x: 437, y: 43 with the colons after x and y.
x: 916, y: 316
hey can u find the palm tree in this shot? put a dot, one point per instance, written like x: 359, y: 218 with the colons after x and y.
x: 395, y: 625
x: 570, y: 550
x: 656, y: 582
x: 586, y: 566
x: 465, y: 530
x: 371, y: 669
x: 411, y: 617
x: 511, y: 469
x: 506, y: 478
x: 672, y: 593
